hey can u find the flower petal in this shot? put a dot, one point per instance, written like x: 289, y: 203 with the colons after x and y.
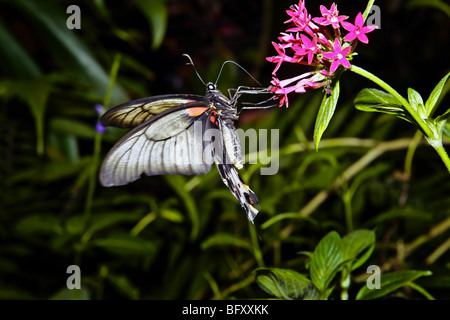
x: 348, y: 26
x: 350, y: 37
x: 359, y: 21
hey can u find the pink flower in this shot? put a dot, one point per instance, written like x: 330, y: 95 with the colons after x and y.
x: 279, y: 59
x: 299, y: 16
x: 358, y: 30
x: 309, y: 47
x: 338, y: 56
x: 317, y: 43
x: 330, y: 17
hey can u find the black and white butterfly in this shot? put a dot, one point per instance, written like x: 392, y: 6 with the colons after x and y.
x: 180, y: 134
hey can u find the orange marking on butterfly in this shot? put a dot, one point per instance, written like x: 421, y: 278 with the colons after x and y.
x: 196, y: 111
x: 213, y: 118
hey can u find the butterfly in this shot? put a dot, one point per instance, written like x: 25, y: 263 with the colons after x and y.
x: 180, y: 134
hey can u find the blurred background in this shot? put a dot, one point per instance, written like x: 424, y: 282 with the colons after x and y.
x: 180, y: 237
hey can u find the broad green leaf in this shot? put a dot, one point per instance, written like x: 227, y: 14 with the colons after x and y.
x: 156, y: 13
x: 326, y: 261
x: 435, y: 94
x: 285, y: 284
x: 390, y: 282
x: 326, y: 111
x: 355, y: 243
x: 225, y: 239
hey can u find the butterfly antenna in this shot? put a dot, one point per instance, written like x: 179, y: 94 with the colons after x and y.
x: 192, y: 64
x: 241, y: 67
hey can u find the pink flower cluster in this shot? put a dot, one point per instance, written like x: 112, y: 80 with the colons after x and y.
x: 311, y: 41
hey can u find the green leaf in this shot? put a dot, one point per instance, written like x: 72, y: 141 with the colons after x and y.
x: 172, y: 215
x: 444, y: 116
x: 125, y: 245
x: 416, y: 101
x: 435, y: 94
x: 326, y: 261
x: 285, y: 284
x: 39, y: 225
x: 374, y: 100
x: 224, y: 239
x: 390, y: 282
x: 156, y: 13
x: 326, y: 111
x: 355, y: 243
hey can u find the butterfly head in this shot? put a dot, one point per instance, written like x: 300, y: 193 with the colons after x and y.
x: 211, y: 87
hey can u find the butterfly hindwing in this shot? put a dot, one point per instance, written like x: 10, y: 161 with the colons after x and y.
x: 246, y: 197
x: 169, y: 143
x: 133, y: 113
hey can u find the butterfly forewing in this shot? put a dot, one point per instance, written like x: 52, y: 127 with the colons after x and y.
x: 133, y: 113
x: 169, y: 143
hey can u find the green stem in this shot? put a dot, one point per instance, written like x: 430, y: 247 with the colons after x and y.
x: 444, y: 156
x: 256, y: 248
x: 347, y: 198
x: 411, y: 150
x: 367, y: 11
x: 98, y: 141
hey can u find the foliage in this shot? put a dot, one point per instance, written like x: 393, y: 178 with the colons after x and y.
x: 333, y: 255
x: 370, y: 195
